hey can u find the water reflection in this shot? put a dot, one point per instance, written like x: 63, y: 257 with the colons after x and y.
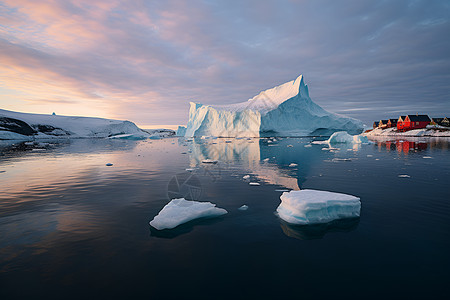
x: 318, y: 231
x: 266, y: 159
x: 405, y: 145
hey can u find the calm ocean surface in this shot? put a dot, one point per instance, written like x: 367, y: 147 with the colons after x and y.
x: 72, y: 227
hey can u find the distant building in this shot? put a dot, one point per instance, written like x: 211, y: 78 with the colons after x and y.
x: 415, y: 122
x: 382, y: 123
x: 392, y: 123
x: 400, y: 121
x: 440, y: 121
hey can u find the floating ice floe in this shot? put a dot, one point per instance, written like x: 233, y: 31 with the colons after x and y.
x: 341, y: 159
x: 180, y: 211
x: 243, y: 207
x: 254, y: 183
x: 308, y: 146
x: 265, y: 159
x: 293, y: 165
x: 313, y: 206
x: 290, y: 146
x: 404, y: 176
x: 246, y: 177
x: 209, y: 161
x: 427, y: 157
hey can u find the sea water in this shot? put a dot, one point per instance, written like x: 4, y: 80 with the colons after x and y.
x: 72, y: 226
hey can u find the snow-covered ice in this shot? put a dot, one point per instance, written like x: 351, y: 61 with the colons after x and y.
x: 404, y: 176
x: 254, y: 183
x: 293, y: 165
x: 243, y: 207
x: 179, y: 211
x: 344, y: 137
x: 314, y: 206
x: 284, y: 110
x: 209, y: 161
x: 246, y: 177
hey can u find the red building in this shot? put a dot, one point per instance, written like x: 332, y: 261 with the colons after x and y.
x: 392, y: 123
x: 414, y: 122
x: 400, y: 123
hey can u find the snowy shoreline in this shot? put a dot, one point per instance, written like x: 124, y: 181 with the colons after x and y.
x: 26, y: 126
x: 392, y: 132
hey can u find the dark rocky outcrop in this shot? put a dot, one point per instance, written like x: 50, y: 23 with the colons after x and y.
x: 17, y: 126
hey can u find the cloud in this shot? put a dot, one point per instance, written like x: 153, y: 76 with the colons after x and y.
x: 145, y: 61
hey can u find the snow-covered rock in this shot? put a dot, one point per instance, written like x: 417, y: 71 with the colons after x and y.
x: 313, y: 206
x: 344, y: 137
x: 179, y: 211
x: 283, y: 110
x: 53, y: 126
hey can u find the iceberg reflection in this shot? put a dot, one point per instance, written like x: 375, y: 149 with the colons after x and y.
x: 268, y: 160
x: 318, y: 231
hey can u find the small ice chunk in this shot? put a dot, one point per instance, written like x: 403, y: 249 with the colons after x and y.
x: 404, y: 176
x: 246, y: 177
x: 209, y: 161
x: 369, y: 155
x: 109, y: 164
x: 314, y: 206
x: 341, y: 159
x: 29, y: 143
x: 282, y: 190
x: 308, y: 146
x: 179, y: 211
x: 427, y: 157
x: 254, y: 183
x: 190, y: 169
x: 293, y: 165
x: 290, y: 146
x: 265, y: 159
x: 243, y: 207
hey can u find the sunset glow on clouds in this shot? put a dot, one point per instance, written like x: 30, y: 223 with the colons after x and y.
x: 144, y: 61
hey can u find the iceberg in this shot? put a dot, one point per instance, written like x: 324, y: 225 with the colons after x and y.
x: 25, y: 126
x: 313, y: 207
x: 285, y: 110
x: 181, y: 131
x: 180, y: 211
x: 344, y: 137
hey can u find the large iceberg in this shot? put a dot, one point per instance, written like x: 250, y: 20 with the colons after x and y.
x: 312, y: 207
x: 179, y: 211
x: 283, y: 110
x: 23, y: 126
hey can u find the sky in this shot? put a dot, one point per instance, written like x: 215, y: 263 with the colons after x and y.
x: 144, y: 61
